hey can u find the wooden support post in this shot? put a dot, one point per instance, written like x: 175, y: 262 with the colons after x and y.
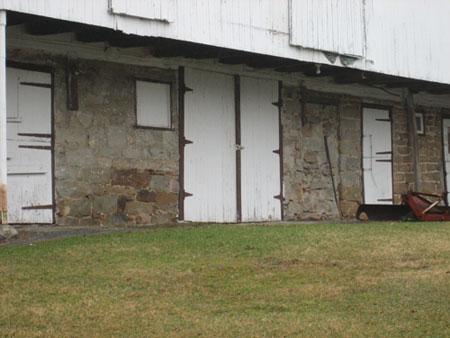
x: 3, y: 120
x: 412, y: 127
x: 72, y: 83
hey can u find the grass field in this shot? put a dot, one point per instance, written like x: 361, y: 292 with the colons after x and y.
x: 342, y: 280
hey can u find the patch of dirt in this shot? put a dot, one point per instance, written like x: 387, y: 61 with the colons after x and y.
x: 36, y: 233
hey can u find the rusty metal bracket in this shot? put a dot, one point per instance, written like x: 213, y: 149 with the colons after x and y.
x: 186, y: 141
x: 278, y: 104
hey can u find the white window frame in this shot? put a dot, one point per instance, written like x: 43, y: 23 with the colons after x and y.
x: 144, y: 109
x: 421, y: 123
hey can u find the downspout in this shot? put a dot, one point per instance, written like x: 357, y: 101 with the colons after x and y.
x: 3, y: 152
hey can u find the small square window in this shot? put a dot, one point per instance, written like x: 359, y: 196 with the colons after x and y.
x: 420, y: 124
x: 153, y: 109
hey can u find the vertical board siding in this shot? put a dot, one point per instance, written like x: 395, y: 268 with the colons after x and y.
x: 406, y: 38
x: 146, y: 9
x: 376, y: 145
x: 401, y: 37
x: 29, y: 170
x: 329, y: 25
x: 210, y: 161
x: 260, y: 168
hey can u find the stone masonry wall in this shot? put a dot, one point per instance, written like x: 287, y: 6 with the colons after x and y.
x: 430, y: 152
x: 307, y: 181
x: 308, y: 190
x: 350, y: 187
x: 107, y: 171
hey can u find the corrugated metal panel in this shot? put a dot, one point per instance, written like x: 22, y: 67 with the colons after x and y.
x: 146, y: 9
x: 330, y: 25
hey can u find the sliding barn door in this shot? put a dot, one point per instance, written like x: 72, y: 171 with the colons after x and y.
x: 210, y: 160
x: 29, y: 133
x: 260, y: 165
x: 377, y: 156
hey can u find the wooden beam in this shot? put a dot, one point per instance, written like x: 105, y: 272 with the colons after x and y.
x: 72, y: 84
x: 49, y: 27
x: 412, y: 126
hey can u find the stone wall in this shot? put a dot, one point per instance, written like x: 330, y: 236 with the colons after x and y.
x: 307, y: 181
x: 350, y: 187
x: 107, y: 171
x: 430, y: 152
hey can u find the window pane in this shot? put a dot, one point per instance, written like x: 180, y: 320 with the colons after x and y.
x: 153, y: 104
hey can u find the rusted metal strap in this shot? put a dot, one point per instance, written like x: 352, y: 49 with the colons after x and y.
x: 33, y: 84
x: 35, y: 135
x: 38, y: 207
x: 36, y: 147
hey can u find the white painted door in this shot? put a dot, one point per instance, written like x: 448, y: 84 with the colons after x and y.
x: 446, y: 133
x: 29, y: 146
x: 210, y: 160
x: 260, y: 166
x: 377, y: 156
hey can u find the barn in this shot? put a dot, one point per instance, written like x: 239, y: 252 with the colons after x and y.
x: 126, y: 113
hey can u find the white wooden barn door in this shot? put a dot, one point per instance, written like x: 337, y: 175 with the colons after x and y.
x: 231, y: 148
x: 260, y: 168
x: 377, y: 156
x: 29, y: 135
x: 446, y: 143
x: 210, y: 160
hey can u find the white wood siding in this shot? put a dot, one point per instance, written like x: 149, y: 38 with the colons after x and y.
x: 377, y: 156
x: 210, y: 161
x: 403, y: 37
x: 260, y: 166
x: 146, y: 9
x: 29, y: 170
x: 330, y: 25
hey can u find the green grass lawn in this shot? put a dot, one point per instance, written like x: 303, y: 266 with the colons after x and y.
x: 342, y: 280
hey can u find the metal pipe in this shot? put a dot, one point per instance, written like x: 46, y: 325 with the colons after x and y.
x: 3, y: 153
